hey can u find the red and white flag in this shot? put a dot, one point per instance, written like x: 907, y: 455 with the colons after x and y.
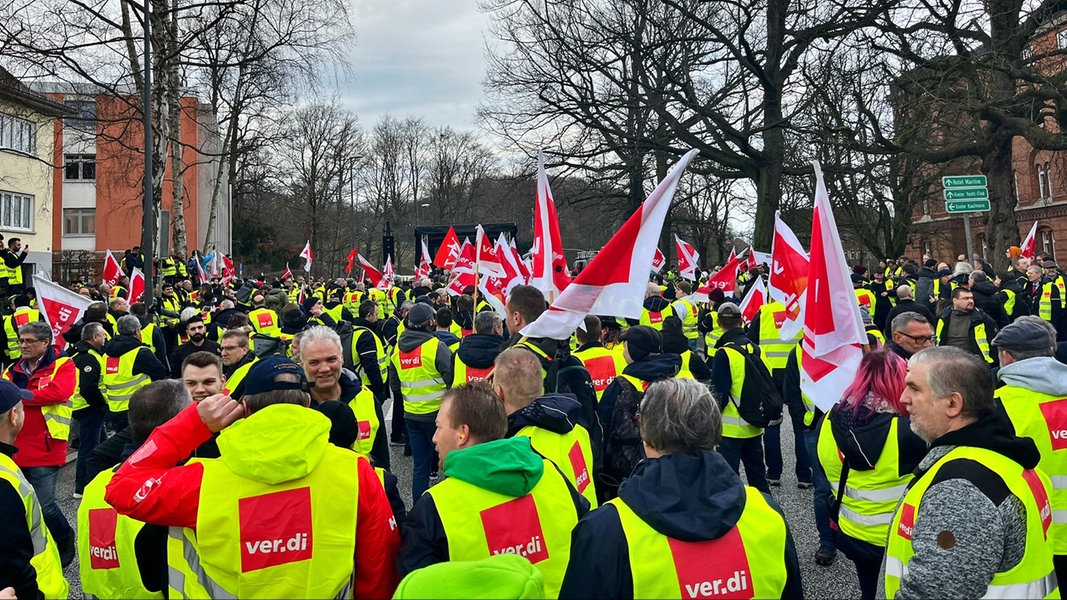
x: 615, y: 280
x: 386, y: 281
x: 60, y: 307
x: 307, y: 256
x: 229, y: 272
x: 754, y: 299
x: 449, y: 250
x: 833, y: 331
x: 486, y: 257
x: 658, y: 261
x: 201, y: 274
x: 495, y: 295
x: 549, y: 272
x: 726, y: 278
x: 112, y: 269
x: 688, y: 257
x: 462, y: 270
x: 788, y: 281
x: 425, y: 263
x: 136, y: 286
x: 1029, y: 246
x: 351, y: 260
x: 514, y: 273
x: 369, y: 272
x: 287, y: 274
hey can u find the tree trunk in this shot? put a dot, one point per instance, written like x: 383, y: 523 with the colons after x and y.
x: 1002, y: 229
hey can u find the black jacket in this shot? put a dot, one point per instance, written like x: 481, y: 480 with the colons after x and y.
x: 677, y: 343
x: 693, y: 496
x: 367, y: 356
x: 976, y: 317
x: 479, y: 350
x: 350, y: 386
x: 182, y: 352
x: 986, y: 299
x: 145, y: 362
x: 87, y: 360
x: 904, y: 306
x: 618, y: 410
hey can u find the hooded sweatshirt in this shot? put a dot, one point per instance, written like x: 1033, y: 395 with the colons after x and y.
x: 509, y: 467
x: 479, y: 350
x: 1042, y: 374
x: 145, y: 362
x: 691, y: 496
x: 971, y: 502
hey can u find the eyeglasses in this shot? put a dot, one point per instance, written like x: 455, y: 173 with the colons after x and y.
x: 28, y: 341
x: 918, y: 339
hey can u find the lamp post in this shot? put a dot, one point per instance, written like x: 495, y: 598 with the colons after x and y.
x: 148, y: 220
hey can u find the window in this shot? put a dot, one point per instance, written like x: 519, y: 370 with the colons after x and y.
x: 86, y: 110
x: 1061, y: 39
x: 1040, y: 181
x: 1048, y: 245
x: 80, y: 167
x: 1048, y: 181
x: 17, y: 134
x: 79, y: 221
x: 16, y: 211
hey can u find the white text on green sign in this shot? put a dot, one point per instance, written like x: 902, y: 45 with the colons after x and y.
x: 962, y: 181
x: 967, y: 194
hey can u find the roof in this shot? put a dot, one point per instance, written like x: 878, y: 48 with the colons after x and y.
x: 16, y: 91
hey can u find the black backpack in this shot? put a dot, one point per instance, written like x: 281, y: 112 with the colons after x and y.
x: 760, y: 403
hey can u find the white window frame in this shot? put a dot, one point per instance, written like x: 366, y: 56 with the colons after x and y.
x: 1061, y: 39
x: 18, y: 134
x: 16, y: 212
x: 79, y: 215
x: 1048, y: 245
x: 1040, y: 181
x: 1048, y: 180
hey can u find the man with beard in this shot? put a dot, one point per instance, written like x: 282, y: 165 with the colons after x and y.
x: 198, y: 342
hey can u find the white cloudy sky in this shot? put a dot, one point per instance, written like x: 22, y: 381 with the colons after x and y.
x: 417, y: 58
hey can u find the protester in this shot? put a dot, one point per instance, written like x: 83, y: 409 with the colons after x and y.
x: 910, y: 333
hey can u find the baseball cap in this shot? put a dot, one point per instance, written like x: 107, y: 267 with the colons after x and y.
x: 11, y: 394
x: 643, y: 340
x: 1023, y: 336
x: 729, y: 310
x: 420, y: 315
x: 261, y: 376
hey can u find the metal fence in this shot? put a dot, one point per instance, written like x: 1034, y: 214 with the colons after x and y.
x: 69, y: 266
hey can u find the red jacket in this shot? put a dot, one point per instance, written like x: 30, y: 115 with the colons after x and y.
x: 53, y: 382
x: 150, y: 487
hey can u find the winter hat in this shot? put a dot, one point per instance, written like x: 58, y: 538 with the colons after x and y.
x: 856, y: 278
x: 420, y: 315
x: 343, y: 427
x: 309, y: 303
x: 642, y: 340
x: 716, y: 295
x: 1024, y: 336
x: 1014, y: 252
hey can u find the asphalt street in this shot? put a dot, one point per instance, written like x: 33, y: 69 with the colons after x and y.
x: 835, y: 581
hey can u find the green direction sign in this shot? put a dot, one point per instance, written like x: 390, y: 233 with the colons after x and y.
x: 967, y: 206
x: 980, y: 193
x: 963, y: 181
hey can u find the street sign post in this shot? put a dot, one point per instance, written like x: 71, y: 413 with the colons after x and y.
x: 965, y: 194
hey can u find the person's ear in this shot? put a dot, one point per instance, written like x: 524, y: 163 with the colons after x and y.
x: 954, y: 405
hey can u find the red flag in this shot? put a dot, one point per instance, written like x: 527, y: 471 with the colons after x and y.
x: 112, y: 270
x: 425, y: 263
x: 449, y: 250
x: 754, y: 299
x: 486, y: 257
x: 615, y: 280
x: 549, y: 273
x: 1029, y: 246
x: 351, y: 260
x: 60, y: 307
x: 307, y: 255
x: 462, y: 270
x: 726, y: 278
x: 833, y: 331
x: 287, y: 274
x: 386, y: 281
x: 136, y: 286
x: 658, y: 260
x: 688, y: 257
x: 788, y: 282
x: 369, y: 272
x: 228, y: 272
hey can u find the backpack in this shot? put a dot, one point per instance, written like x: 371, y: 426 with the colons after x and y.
x: 265, y: 345
x: 760, y: 403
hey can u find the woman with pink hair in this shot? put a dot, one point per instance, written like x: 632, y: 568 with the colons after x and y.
x: 868, y: 450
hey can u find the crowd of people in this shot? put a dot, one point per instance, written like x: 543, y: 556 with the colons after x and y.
x: 233, y: 441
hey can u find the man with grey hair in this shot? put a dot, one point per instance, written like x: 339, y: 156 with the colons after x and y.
x: 974, y: 522
x: 910, y: 332
x: 129, y: 365
x: 1032, y: 395
x: 684, y: 502
x: 476, y: 353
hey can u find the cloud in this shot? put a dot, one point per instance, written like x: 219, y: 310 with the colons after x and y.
x: 421, y: 59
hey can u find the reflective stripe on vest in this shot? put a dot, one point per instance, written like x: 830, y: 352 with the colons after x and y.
x: 1009, y: 304
x: 367, y: 424
x: 1043, y: 418
x: 120, y: 382
x: 12, y: 323
x: 420, y: 380
x: 379, y: 353
x: 240, y: 547
x: 746, y: 562
x: 603, y: 365
x: 57, y: 417
x: 733, y: 425
x: 77, y: 401
x: 1033, y: 577
x: 461, y: 373
x: 479, y: 523
x: 1044, y: 307
x: 108, y: 564
x: 978, y: 334
x: 711, y: 338
x: 774, y: 349
x: 871, y: 496
x: 45, y: 560
x: 572, y: 453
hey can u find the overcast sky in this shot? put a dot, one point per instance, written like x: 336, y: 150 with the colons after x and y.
x: 417, y: 58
